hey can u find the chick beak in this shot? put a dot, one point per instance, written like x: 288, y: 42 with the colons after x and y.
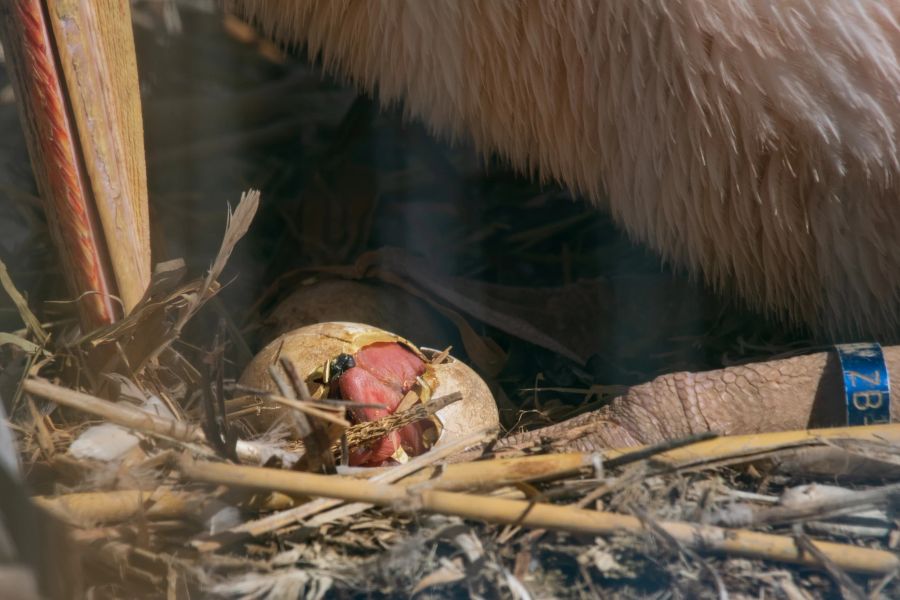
x: 73, y: 68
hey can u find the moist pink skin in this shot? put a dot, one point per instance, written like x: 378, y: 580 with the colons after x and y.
x: 361, y: 386
x: 391, y: 363
x: 384, y: 373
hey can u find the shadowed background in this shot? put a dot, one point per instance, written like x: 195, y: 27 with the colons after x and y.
x: 225, y: 110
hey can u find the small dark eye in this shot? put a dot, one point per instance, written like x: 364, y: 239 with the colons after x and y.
x: 340, y: 364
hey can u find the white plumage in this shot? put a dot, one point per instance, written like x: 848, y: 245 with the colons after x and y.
x: 752, y: 141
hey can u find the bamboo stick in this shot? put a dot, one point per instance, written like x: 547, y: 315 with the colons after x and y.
x: 496, y: 510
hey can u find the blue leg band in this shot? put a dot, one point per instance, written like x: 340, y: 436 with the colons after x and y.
x: 867, y: 388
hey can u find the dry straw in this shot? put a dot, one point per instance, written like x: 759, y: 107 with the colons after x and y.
x: 547, y: 516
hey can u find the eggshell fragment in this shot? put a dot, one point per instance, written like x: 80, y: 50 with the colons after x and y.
x: 476, y: 411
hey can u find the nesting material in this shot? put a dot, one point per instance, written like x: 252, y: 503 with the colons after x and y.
x: 194, y: 512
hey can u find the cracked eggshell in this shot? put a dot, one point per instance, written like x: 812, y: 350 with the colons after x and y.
x: 476, y: 411
x: 310, y: 347
x: 382, y: 306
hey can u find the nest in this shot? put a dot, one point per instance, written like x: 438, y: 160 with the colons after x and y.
x: 146, y: 485
x: 127, y: 474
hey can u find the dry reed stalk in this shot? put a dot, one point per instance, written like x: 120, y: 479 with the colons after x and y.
x: 746, y: 448
x: 119, y: 505
x: 132, y: 418
x: 288, y: 517
x: 119, y: 414
x: 116, y: 506
x: 499, y: 472
x: 815, y: 508
x: 496, y: 510
x: 369, y: 431
x: 309, y: 409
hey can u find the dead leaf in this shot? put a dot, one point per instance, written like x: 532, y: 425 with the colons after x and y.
x: 237, y: 225
x: 451, y: 572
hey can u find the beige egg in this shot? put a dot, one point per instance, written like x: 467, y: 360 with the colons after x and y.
x: 383, y: 306
x: 310, y: 348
